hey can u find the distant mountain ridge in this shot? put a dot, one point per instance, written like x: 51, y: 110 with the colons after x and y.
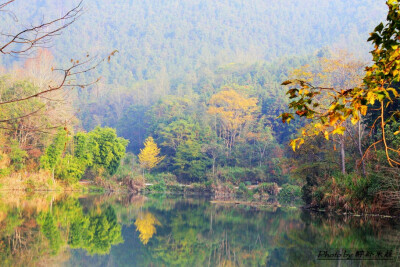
x: 175, y: 37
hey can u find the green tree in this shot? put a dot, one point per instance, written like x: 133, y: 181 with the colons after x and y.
x: 17, y: 156
x: 179, y: 131
x: 106, y: 148
x: 96, y: 232
x: 102, y: 232
x: 191, y: 163
x: 261, y: 136
x: 213, y: 147
x: 48, y: 226
x: 70, y: 169
x: 54, y: 152
x: 82, y: 150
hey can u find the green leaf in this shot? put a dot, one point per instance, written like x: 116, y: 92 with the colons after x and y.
x: 379, y: 28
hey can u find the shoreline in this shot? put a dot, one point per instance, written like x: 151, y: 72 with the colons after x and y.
x: 229, y: 201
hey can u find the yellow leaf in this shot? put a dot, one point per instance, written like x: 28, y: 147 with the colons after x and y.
x: 293, y: 144
x: 339, y: 130
x: 371, y: 97
x: 363, y: 110
x: 332, y: 107
x: 394, y: 91
x: 301, y: 141
x: 296, y: 143
x: 333, y: 119
x: 326, y: 134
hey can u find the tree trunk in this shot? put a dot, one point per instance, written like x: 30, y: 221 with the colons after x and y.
x: 360, y: 147
x: 213, y: 167
x: 343, y: 155
x: 52, y: 175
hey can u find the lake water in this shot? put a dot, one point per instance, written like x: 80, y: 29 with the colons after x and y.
x: 72, y: 230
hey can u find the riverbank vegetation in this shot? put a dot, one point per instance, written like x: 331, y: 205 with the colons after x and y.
x: 360, y: 111
x: 210, y: 127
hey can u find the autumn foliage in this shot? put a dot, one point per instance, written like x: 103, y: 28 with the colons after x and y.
x: 146, y: 225
x: 148, y: 156
x: 233, y: 112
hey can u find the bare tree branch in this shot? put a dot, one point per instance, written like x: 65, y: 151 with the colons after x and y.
x: 6, y: 3
x: 23, y: 116
x: 67, y: 78
x: 39, y: 35
x: 24, y: 43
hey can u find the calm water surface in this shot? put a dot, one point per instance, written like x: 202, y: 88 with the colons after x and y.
x: 67, y: 230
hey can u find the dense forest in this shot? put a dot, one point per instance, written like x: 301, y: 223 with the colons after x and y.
x: 191, y: 94
x: 176, y: 47
x: 183, y: 48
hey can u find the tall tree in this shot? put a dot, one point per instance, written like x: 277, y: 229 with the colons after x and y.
x: 54, y: 152
x: 190, y: 161
x: 352, y: 103
x: 148, y: 156
x: 340, y: 71
x: 107, y: 148
x: 262, y: 138
x: 233, y: 112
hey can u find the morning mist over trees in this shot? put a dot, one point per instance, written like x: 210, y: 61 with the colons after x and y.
x: 203, y: 133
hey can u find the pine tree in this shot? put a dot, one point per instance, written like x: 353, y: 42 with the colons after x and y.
x: 148, y: 156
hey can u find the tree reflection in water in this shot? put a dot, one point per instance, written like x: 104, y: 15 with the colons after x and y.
x: 146, y: 225
x: 126, y: 231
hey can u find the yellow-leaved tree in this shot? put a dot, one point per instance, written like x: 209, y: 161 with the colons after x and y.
x: 146, y: 225
x: 233, y: 112
x: 148, y: 156
x: 340, y: 71
x: 378, y: 94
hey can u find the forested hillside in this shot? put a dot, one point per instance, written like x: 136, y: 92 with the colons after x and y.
x: 194, y: 88
x: 184, y: 47
x: 168, y: 46
x: 255, y: 107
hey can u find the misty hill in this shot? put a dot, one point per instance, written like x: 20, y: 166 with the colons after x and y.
x: 169, y: 40
x: 179, y: 47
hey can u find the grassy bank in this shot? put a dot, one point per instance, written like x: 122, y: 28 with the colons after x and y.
x: 376, y: 193
x: 42, y: 181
